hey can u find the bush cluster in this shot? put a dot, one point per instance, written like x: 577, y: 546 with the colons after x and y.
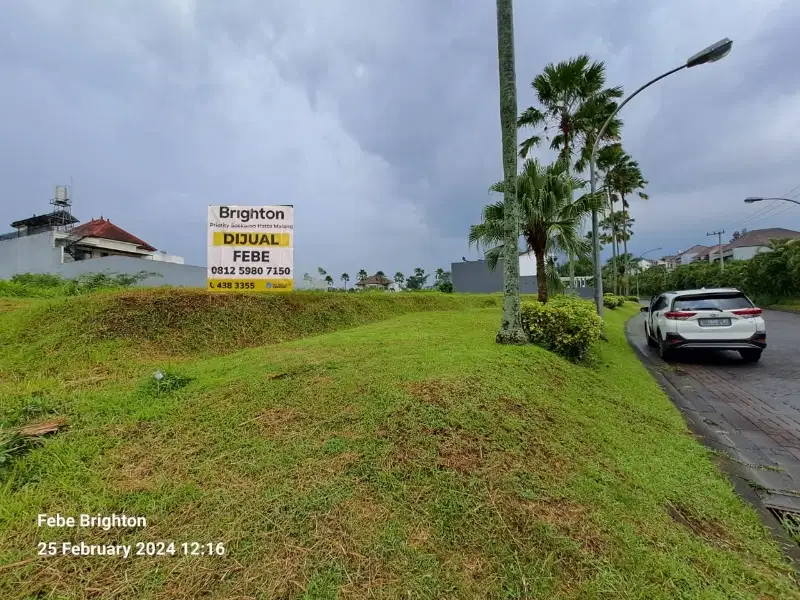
x: 566, y: 325
x: 632, y: 299
x: 611, y: 301
x: 42, y: 285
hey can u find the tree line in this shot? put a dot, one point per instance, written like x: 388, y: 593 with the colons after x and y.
x: 418, y: 281
x: 770, y: 276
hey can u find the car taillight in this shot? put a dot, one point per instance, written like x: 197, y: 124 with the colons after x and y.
x: 678, y: 315
x: 748, y: 312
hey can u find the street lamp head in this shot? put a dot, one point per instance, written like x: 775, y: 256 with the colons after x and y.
x: 751, y: 199
x: 713, y: 53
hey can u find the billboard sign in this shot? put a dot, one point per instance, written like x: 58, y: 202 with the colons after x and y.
x: 250, y: 248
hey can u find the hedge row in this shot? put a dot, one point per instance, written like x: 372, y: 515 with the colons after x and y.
x: 772, y: 274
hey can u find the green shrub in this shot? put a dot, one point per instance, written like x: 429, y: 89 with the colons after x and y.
x: 39, y: 285
x: 566, y: 325
x: 632, y: 299
x: 612, y: 301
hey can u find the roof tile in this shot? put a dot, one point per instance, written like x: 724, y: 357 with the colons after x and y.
x: 105, y: 229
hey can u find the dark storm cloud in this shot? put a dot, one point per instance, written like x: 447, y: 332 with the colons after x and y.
x: 380, y: 121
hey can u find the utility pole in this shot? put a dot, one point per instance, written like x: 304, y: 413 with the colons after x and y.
x: 719, y: 237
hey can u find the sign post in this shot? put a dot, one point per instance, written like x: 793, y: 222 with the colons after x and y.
x: 250, y: 248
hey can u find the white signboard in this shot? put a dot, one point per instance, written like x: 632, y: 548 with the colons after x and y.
x: 250, y: 248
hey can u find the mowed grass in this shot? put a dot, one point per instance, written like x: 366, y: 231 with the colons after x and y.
x: 407, y: 458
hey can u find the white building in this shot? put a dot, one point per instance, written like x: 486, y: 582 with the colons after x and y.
x: 46, y: 243
x: 750, y: 244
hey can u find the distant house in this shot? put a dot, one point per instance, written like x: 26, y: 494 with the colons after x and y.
x: 691, y: 254
x: 55, y: 243
x: 645, y: 264
x: 376, y: 282
x: 667, y: 262
x: 100, y: 237
x: 749, y: 244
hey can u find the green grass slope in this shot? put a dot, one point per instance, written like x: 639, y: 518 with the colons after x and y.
x: 121, y: 329
x: 407, y: 458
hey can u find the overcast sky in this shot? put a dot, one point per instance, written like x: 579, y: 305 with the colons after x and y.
x: 378, y: 120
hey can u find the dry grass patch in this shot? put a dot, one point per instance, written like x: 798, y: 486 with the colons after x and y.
x: 461, y: 451
x: 444, y: 393
x: 709, y: 530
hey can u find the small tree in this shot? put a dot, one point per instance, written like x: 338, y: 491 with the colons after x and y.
x: 380, y: 274
x: 329, y: 280
x: 418, y: 280
x: 444, y: 282
x: 362, y: 275
x: 322, y: 272
x: 345, y: 278
x: 399, y: 278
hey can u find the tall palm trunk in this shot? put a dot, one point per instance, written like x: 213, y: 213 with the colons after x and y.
x: 567, y: 159
x: 511, y: 325
x: 541, y: 272
x: 626, y: 284
x: 613, y: 241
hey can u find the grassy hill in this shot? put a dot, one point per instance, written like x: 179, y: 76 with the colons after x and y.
x: 397, y: 453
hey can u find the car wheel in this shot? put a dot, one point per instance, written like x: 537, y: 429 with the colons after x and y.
x: 663, y: 351
x: 650, y: 341
x: 750, y: 355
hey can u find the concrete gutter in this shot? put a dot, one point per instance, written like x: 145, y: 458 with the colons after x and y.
x: 740, y: 475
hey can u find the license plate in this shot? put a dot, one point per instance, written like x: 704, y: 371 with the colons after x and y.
x: 714, y: 322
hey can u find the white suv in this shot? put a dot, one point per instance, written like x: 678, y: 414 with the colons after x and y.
x: 720, y: 318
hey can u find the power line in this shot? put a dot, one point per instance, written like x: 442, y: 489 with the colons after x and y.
x: 762, y: 213
x: 768, y: 210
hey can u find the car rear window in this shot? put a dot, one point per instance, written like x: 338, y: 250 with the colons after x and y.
x: 712, y: 302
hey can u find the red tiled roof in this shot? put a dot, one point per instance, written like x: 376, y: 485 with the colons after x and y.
x: 374, y: 280
x: 105, y: 229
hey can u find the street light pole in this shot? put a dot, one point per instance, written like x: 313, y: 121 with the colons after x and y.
x: 639, y: 267
x: 752, y: 199
x: 711, y: 54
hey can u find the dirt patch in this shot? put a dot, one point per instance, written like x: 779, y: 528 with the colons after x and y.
x: 569, y: 518
x: 279, y: 421
x: 461, y: 451
x: 711, y: 531
x: 138, y: 466
x: 9, y: 305
x: 443, y: 393
x: 92, y: 378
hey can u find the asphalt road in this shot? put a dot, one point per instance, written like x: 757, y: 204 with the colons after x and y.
x: 753, y: 408
x: 776, y: 375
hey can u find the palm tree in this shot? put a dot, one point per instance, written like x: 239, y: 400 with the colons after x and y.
x: 550, y: 221
x: 439, y: 274
x: 329, y: 280
x: 362, y: 275
x: 511, y: 323
x: 345, y: 277
x: 614, y: 228
x: 623, y: 177
x: 419, y: 272
x: 322, y: 272
x: 399, y: 278
x: 574, y: 104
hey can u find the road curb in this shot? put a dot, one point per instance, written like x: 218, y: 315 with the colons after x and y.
x: 737, y: 473
x: 785, y: 310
